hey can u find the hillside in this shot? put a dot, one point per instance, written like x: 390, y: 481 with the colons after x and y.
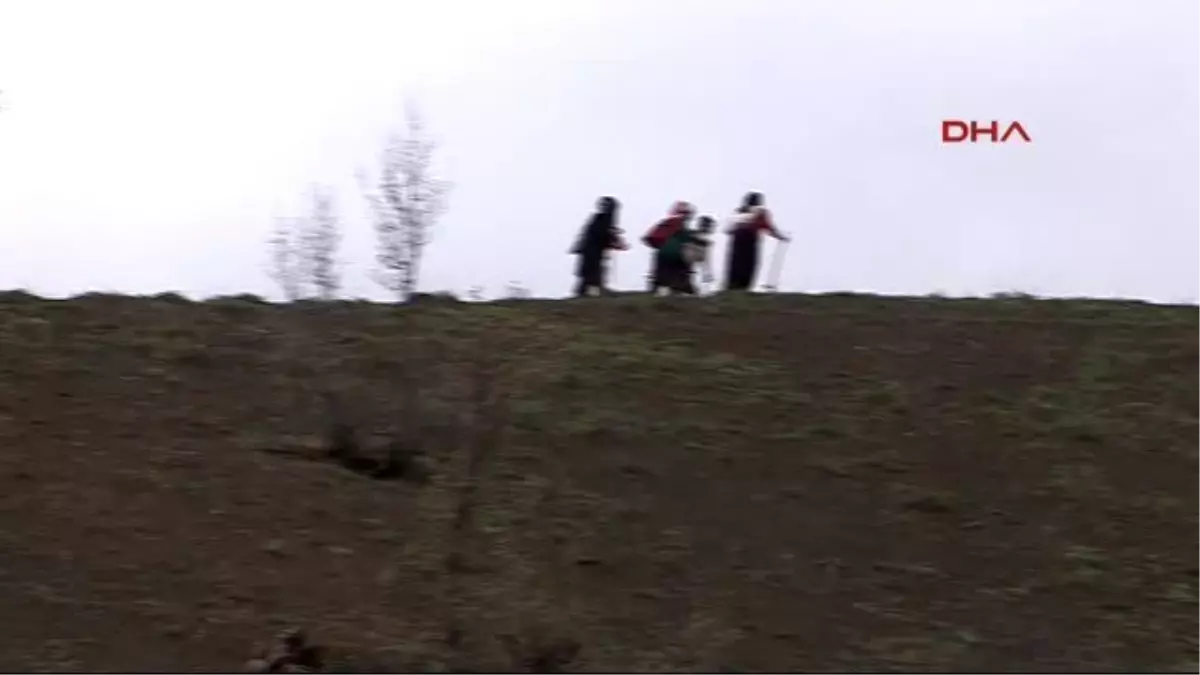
x: 815, y: 483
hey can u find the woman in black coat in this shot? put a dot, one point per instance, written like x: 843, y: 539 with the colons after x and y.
x: 745, y: 230
x: 600, y: 235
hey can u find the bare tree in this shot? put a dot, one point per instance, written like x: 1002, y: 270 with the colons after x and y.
x: 284, y: 268
x: 517, y: 291
x: 407, y: 202
x: 304, y: 250
x: 320, y: 239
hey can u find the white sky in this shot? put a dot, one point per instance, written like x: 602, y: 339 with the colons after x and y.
x: 146, y: 146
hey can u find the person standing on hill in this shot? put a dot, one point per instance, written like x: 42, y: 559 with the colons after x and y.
x: 696, y: 253
x: 667, y: 263
x: 745, y: 231
x: 599, y: 236
x: 681, y: 253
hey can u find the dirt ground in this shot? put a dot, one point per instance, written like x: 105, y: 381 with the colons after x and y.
x: 785, y: 483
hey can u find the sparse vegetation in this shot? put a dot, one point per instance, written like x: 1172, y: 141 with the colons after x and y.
x: 406, y: 203
x: 304, y: 251
x: 515, y: 290
x: 784, y: 483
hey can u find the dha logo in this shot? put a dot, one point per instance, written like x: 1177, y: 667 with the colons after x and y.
x: 957, y: 131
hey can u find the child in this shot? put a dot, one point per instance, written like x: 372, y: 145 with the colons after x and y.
x: 598, y: 236
x: 696, y: 253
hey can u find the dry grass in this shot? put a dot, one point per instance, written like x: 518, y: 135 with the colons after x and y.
x: 777, y: 483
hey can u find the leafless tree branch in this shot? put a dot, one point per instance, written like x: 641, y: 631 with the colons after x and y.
x: 304, y: 250
x: 406, y: 203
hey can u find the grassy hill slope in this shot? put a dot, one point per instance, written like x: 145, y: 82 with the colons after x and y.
x: 767, y: 483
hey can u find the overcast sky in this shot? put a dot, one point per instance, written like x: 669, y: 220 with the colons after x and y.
x: 146, y: 146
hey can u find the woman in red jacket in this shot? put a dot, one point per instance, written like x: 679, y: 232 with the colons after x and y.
x: 745, y: 230
x: 663, y: 267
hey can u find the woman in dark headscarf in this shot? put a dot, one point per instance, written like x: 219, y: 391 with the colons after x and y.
x: 600, y: 235
x: 664, y: 237
x: 745, y: 229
